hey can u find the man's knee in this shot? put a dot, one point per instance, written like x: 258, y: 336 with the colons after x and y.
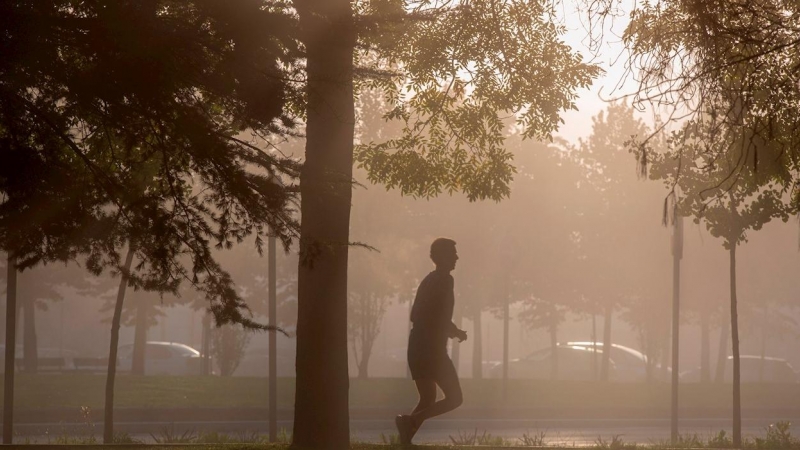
x: 425, y: 403
x: 455, y: 399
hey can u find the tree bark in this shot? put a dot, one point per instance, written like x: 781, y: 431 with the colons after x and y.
x: 737, y: 401
x: 140, y: 336
x: 11, y: 336
x: 30, y: 357
x: 477, y: 344
x: 321, y: 418
x: 705, y: 347
x: 604, y: 367
x: 108, y: 421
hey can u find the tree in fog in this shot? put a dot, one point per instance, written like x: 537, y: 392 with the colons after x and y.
x: 610, y: 238
x: 702, y: 166
x: 370, y: 291
x: 545, y: 314
x: 85, y: 110
x: 647, y: 315
x: 228, y: 343
x: 37, y: 289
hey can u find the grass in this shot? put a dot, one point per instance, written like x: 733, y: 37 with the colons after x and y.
x: 776, y: 437
x: 87, y: 390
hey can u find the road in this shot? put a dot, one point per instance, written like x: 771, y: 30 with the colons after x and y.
x: 569, y: 432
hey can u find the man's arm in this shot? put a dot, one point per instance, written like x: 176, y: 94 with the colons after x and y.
x: 455, y: 332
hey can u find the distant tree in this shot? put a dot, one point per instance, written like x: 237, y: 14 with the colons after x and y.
x: 548, y: 315
x: 646, y: 316
x: 228, y: 343
x: 614, y: 198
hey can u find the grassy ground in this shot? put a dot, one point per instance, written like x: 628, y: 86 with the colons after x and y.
x: 76, y: 390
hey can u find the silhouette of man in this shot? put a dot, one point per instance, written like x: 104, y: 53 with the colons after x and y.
x: 432, y: 315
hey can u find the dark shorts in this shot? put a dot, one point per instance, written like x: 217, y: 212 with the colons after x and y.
x: 428, y: 360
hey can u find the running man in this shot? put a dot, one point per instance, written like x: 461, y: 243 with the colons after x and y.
x: 432, y: 315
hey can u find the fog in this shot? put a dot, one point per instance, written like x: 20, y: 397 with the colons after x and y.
x: 581, y: 251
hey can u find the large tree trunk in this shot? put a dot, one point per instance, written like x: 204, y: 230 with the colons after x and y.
x: 30, y: 357
x: 705, y: 347
x: 604, y: 367
x: 737, y: 402
x: 321, y: 417
x: 108, y: 421
x: 477, y: 344
x: 140, y: 335
x: 11, y: 337
x: 722, y: 352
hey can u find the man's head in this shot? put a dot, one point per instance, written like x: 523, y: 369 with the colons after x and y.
x: 443, y: 253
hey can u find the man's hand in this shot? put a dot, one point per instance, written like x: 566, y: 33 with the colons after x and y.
x: 461, y: 335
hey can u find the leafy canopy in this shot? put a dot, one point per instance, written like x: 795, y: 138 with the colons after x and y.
x: 131, y: 122
x: 453, y: 72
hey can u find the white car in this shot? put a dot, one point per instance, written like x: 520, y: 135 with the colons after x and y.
x: 162, y: 358
x: 631, y: 364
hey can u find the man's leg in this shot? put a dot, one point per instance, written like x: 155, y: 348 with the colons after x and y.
x: 448, y: 382
x: 427, y: 394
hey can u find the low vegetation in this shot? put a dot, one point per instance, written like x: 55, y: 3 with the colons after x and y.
x: 75, y: 391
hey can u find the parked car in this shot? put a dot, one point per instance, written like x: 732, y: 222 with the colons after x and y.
x: 575, y: 363
x: 162, y: 358
x: 752, y: 369
x: 631, y: 364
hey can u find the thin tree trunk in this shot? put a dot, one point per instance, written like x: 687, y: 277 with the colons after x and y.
x: 705, y: 347
x: 604, y: 367
x: 677, y: 254
x: 321, y: 415
x: 140, y: 335
x: 11, y: 337
x: 477, y: 344
x: 763, y: 346
x: 553, y: 351
x: 724, y: 348
x: 30, y: 358
x: 273, y: 343
x: 205, y: 346
x: 506, y: 320
x: 594, y: 346
x: 737, y: 402
x: 108, y: 421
